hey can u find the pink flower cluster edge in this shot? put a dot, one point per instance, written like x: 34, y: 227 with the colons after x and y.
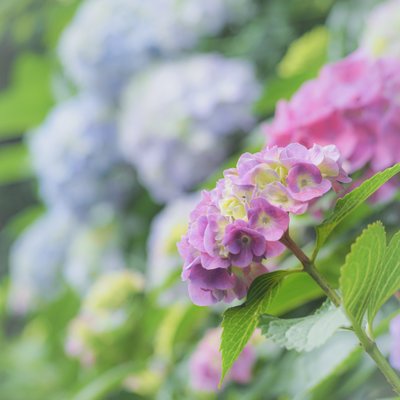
x: 353, y: 104
x: 206, y: 364
x: 238, y: 225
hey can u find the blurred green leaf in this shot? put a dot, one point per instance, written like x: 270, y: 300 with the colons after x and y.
x: 25, y: 103
x: 306, y: 333
x: 351, y: 201
x: 309, y: 52
x: 106, y: 382
x: 14, y: 162
x: 314, y: 367
x: 23, y: 219
x: 302, y: 62
x: 277, y: 89
x: 240, y: 322
x: 58, y: 15
x: 179, y: 324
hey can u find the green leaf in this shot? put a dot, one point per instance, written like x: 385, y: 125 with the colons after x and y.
x: 302, y: 62
x: 306, y: 333
x: 310, y: 50
x: 277, y: 89
x: 358, y: 273
x: 351, y: 201
x: 371, y: 273
x: 295, y: 290
x: 386, y: 278
x: 240, y: 322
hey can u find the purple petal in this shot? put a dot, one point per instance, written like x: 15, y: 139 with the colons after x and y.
x: 211, y: 279
x: 201, y: 297
x: 243, y: 259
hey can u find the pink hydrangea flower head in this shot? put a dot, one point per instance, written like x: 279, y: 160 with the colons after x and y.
x: 353, y: 104
x: 206, y: 364
x: 395, y: 335
x: 237, y: 226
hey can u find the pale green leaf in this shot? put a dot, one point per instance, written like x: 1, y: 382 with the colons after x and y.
x: 361, y: 269
x: 240, y: 322
x: 352, y: 200
x: 302, y: 62
x: 310, y: 50
x: 314, y: 367
x: 306, y: 333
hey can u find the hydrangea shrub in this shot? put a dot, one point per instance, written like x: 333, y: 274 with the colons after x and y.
x: 125, y: 36
x: 76, y: 158
x: 176, y: 138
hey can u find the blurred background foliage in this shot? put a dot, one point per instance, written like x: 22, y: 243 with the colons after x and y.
x: 288, y: 42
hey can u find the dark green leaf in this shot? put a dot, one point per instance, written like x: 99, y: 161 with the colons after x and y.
x: 240, y: 322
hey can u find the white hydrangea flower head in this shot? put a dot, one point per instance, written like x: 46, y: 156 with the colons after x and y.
x: 75, y: 156
x: 179, y: 119
x: 381, y: 36
x: 108, y: 40
x: 95, y: 250
x: 36, y: 261
x: 166, y: 230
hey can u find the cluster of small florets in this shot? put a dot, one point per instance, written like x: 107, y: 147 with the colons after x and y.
x: 178, y: 120
x: 125, y: 36
x: 95, y: 250
x: 36, y: 261
x: 238, y: 225
x: 108, y: 316
x: 58, y: 251
x: 206, y: 364
x: 75, y: 156
x: 353, y: 104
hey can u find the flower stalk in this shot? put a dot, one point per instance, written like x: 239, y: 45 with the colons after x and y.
x: 309, y: 267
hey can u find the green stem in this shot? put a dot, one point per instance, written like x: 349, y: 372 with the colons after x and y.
x: 368, y: 345
x: 372, y: 350
x: 309, y: 267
